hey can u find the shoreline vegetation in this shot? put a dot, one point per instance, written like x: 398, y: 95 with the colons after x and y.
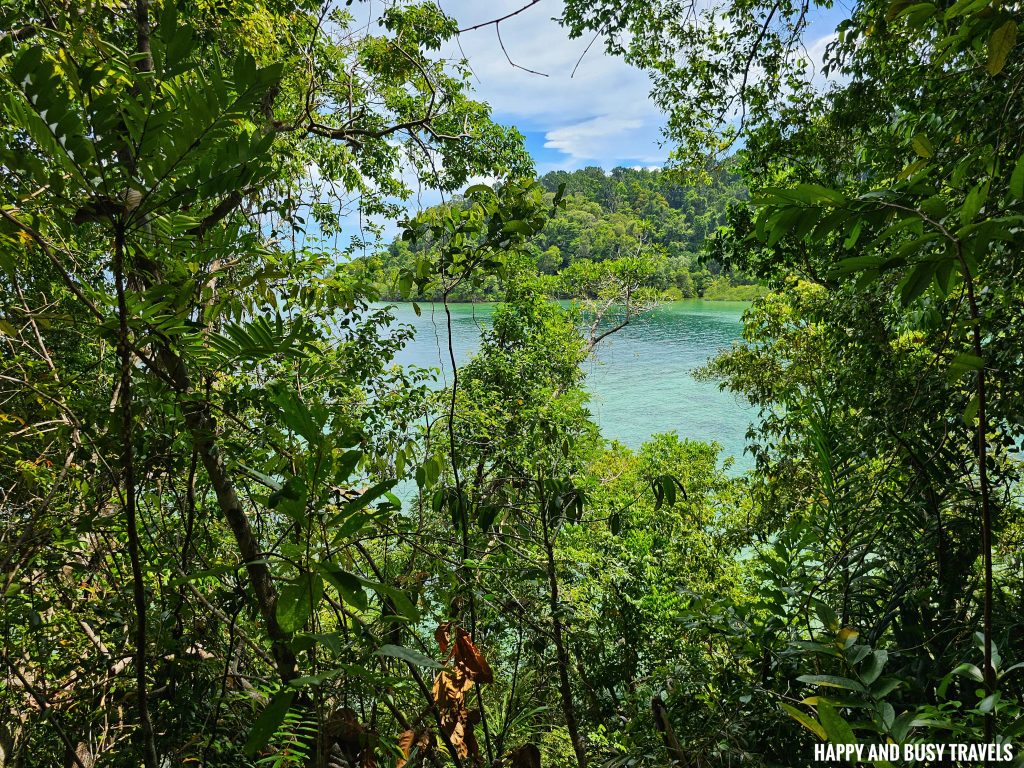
x: 665, y: 230
x: 744, y: 294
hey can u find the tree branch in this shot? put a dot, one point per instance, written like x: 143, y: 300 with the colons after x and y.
x: 498, y: 21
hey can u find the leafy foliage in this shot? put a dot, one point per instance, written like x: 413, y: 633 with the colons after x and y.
x: 235, y: 533
x: 604, y: 219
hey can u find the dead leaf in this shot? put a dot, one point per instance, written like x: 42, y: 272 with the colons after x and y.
x: 449, y: 694
x: 344, y: 733
x: 467, y: 655
x: 441, y: 635
x: 405, y: 742
x: 450, y: 687
x: 409, y: 740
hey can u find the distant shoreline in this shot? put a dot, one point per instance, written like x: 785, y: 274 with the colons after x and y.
x: 713, y: 300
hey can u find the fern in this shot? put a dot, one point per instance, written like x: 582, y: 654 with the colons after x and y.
x: 292, y: 743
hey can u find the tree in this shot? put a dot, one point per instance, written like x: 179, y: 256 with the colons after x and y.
x: 895, y: 190
x: 195, y: 395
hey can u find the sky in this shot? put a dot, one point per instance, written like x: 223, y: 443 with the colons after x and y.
x: 588, y: 108
x: 600, y: 115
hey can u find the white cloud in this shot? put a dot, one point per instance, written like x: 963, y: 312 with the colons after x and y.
x: 815, y: 55
x: 606, y: 136
x: 599, y: 114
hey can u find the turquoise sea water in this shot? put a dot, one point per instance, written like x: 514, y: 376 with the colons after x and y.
x: 639, y: 379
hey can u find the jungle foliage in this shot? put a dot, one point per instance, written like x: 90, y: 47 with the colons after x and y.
x: 643, y: 214
x: 233, y: 532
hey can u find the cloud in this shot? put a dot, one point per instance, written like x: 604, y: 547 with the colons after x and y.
x: 607, y: 136
x: 592, y: 108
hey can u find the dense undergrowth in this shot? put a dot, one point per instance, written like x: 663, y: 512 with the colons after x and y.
x: 205, y: 556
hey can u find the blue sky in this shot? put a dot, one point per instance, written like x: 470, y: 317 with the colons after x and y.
x: 591, y: 109
x: 601, y: 115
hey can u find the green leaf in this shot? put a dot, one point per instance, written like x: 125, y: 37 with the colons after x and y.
x: 405, y: 284
x: 808, y: 722
x: 781, y: 223
x: 884, y: 686
x: 665, y: 490
x: 873, y: 666
x: 969, y: 670
x: 971, y: 411
x: 918, y: 13
x: 349, y: 586
x: 403, y: 605
x: 923, y: 146
x: 901, y: 726
x: 297, y: 600
x: 431, y: 471
x: 519, y: 228
x: 856, y: 263
x: 838, y: 730
x: 269, y: 721
x: 409, y: 655
x: 366, y: 497
x: 963, y: 363
x: 485, y: 516
x: 831, y: 681
x: 987, y: 704
x: 916, y: 282
x: 973, y: 203
x: 670, y: 490
x: 828, y: 617
x: 1017, y: 179
x: 935, y: 207
x: 888, y: 715
x: 264, y: 478
x: 999, y: 46
x: 296, y: 416
x: 945, y: 272
x: 964, y: 7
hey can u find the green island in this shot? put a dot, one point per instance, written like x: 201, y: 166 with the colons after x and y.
x: 374, y: 394
x: 634, y: 213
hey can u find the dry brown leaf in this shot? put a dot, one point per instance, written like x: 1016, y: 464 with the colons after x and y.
x: 420, y: 740
x: 449, y: 694
x: 441, y: 635
x: 468, y: 656
x: 405, y: 742
x: 451, y: 687
x: 355, y: 741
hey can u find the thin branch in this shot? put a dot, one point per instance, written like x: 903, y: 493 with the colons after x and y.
x: 498, y: 21
x: 497, y: 29
x: 44, y: 705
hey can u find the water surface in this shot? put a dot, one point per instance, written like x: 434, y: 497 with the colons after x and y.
x: 639, y: 379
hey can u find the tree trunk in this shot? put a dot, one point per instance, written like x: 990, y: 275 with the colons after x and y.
x: 564, y: 686
x: 668, y: 733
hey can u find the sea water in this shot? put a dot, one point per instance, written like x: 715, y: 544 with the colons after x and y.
x: 639, y: 379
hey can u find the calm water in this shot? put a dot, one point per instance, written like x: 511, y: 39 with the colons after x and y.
x: 639, y: 379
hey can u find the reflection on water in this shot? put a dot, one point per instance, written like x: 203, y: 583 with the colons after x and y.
x: 639, y: 379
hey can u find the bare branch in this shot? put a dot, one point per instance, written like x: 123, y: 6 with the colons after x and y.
x: 498, y: 21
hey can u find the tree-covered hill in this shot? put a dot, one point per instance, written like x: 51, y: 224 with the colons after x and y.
x: 604, y: 216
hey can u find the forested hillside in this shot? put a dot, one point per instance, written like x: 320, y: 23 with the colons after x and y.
x: 643, y: 214
x: 234, y: 533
